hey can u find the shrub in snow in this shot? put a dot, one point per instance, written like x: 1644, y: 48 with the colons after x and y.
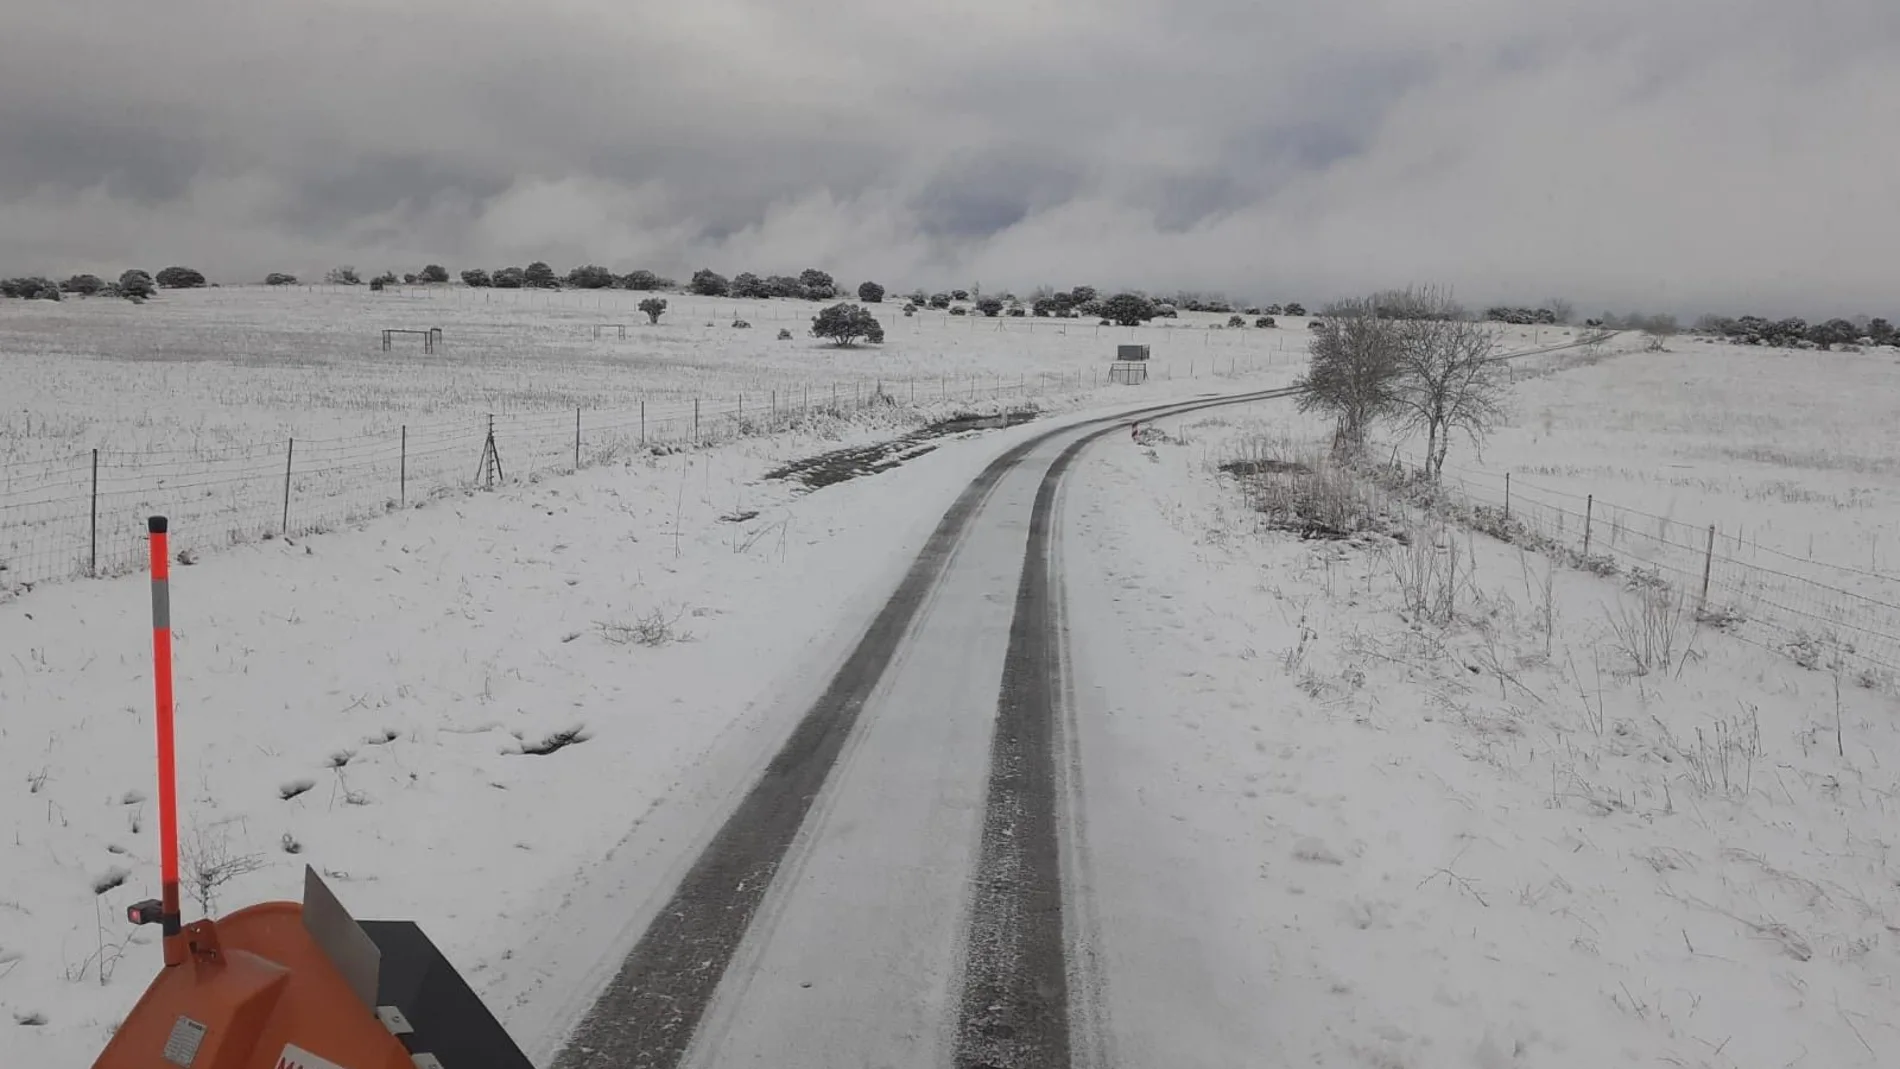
x: 540, y: 276
x: 784, y: 334
x: 709, y: 283
x: 1263, y: 322
x: 87, y: 285
x: 870, y: 293
x: 654, y: 307
x: 642, y: 280
x: 475, y: 279
x: 343, y: 276
x: 434, y: 273
x: 740, y: 324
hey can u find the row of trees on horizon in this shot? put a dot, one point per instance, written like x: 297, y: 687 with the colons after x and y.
x: 1128, y: 308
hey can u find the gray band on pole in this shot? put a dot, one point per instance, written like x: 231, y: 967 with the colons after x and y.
x: 161, y: 604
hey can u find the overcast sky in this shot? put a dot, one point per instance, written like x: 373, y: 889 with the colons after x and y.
x: 1688, y: 155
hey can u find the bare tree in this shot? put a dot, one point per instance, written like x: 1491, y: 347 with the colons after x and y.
x: 1659, y: 328
x: 1562, y: 309
x: 1353, y: 371
x: 1449, y: 377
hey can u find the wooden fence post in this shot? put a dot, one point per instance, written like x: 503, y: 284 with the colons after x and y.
x: 1708, y: 564
x: 1589, y: 508
x: 289, y: 451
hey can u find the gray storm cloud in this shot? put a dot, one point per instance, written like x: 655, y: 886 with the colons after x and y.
x: 1698, y: 154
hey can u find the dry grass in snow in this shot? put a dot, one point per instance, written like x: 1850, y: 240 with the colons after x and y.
x: 1445, y: 802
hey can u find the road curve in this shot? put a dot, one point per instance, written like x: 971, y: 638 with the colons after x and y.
x: 834, y: 918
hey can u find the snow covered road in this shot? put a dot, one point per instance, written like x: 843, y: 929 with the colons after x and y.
x: 891, y: 890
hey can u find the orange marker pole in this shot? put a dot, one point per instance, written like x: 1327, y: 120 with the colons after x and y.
x: 167, y: 751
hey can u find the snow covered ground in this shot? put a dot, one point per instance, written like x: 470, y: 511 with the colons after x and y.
x: 365, y: 701
x: 1324, y: 829
x: 1791, y: 456
x: 215, y: 369
x: 1317, y: 826
x: 202, y: 402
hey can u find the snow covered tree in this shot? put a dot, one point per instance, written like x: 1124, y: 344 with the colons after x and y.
x: 1352, y: 372
x: 844, y: 324
x: 1449, y: 378
x: 818, y: 285
x: 591, y: 277
x: 136, y: 285
x: 1127, y: 309
x: 180, y: 278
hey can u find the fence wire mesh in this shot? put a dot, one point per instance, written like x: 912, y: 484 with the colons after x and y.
x: 85, y: 514
x: 1816, y: 611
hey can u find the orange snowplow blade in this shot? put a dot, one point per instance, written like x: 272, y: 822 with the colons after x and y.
x: 285, y: 986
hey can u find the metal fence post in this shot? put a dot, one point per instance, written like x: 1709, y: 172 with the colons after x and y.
x: 643, y: 421
x: 289, y: 451
x: 1589, y: 508
x: 1507, y: 497
x: 402, y: 470
x: 577, y: 438
x: 94, y: 569
x: 695, y: 421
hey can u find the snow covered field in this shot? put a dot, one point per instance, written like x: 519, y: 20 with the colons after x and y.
x: 1327, y: 830
x: 365, y: 701
x: 194, y: 398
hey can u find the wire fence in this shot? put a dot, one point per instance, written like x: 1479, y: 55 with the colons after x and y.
x: 1817, y: 612
x: 84, y: 516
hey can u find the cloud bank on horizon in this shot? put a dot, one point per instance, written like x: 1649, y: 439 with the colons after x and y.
x: 1721, y: 155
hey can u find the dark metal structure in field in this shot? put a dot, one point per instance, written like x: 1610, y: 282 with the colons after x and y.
x: 431, y: 337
